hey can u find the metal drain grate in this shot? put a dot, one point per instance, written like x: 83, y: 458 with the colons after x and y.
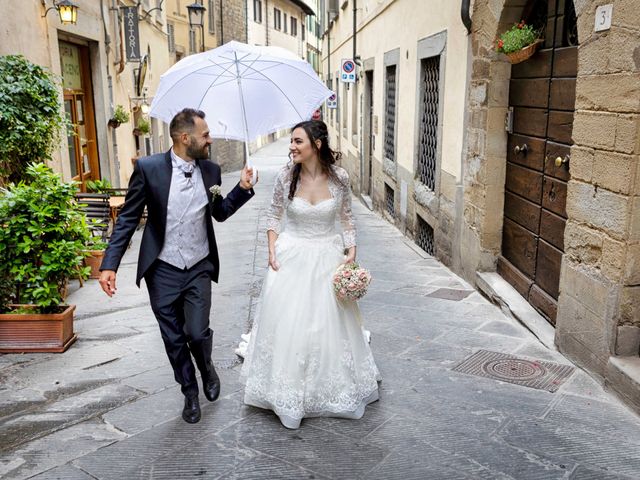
x: 507, y: 368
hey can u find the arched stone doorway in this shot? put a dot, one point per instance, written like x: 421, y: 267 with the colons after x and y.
x: 540, y: 121
x: 491, y: 162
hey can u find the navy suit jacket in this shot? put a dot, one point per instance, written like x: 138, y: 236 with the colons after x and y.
x: 149, y: 186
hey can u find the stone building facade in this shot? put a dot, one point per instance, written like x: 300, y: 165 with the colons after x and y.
x: 399, y: 125
x: 595, y: 303
x: 523, y: 178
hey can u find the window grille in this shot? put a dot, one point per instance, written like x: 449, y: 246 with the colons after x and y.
x: 390, y: 114
x: 192, y: 41
x: 212, y: 19
x: 257, y: 11
x: 389, y: 200
x: 277, y: 19
x: 424, y: 236
x: 429, y: 96
x: 171, y: 37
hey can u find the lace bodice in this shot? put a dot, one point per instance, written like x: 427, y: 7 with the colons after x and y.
x: 306, y: 220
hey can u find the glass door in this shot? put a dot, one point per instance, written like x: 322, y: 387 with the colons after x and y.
x: 78, y: 104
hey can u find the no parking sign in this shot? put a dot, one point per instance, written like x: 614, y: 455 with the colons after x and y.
x: 348, y: 71
x: 332, y: 101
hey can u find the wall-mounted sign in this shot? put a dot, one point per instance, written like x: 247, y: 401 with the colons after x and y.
x: 131, y: 33
x: 332, y: 101
x: 142, y: 74
x: 604, y: 13
x: 348, y: 71
x: 70, y: 65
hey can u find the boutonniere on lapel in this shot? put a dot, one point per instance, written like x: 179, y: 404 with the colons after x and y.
x: 215, y: 191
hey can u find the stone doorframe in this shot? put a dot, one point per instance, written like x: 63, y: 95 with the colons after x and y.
x: 599, y: 304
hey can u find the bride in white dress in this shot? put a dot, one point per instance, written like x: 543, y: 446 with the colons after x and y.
x: 307, y: 355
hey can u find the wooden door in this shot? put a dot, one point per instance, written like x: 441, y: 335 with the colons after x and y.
x: 542, y: 96
x: 78, y: 104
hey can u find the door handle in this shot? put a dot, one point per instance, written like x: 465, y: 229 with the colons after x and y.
x: 563, y: 161
x: 524, y: 149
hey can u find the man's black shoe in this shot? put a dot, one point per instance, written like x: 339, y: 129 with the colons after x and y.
x: 211, y: 384
x: 191, y: 410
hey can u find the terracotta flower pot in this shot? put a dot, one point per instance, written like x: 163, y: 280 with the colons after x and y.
x: 94, y: 260
x: 37, y: 332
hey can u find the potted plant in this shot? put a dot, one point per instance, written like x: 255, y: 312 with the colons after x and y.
x: 143, y: 127
x: 519, y: 42
x: 120, y: 115
x: 94, y: 251
x: 31, y: 117
x: 42, y: 241
x: 98, y: 186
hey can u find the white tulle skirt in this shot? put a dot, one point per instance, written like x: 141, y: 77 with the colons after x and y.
x: 307, y: 355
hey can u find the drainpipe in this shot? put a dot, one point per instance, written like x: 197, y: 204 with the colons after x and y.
x: 266, y: 21
x: 221, y: 25
x: 115, y: 178
x: 329, y: 57
x: 464, y: 14
x: 354, y: 34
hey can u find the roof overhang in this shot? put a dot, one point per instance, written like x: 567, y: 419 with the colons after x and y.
x: 303, y: 5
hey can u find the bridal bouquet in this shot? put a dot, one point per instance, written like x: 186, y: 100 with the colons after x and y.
x: 350, y: 282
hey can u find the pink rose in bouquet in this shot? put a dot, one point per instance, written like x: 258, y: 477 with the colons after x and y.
x: 350, y: 282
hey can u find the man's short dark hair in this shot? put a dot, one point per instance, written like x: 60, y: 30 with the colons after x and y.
x: 184, y: 121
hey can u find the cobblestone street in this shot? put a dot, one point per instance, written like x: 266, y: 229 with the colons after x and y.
x: 109, y: 408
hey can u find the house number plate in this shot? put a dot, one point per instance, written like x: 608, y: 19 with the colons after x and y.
x: 603, y: 17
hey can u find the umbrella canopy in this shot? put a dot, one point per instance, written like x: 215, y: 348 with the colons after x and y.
x: 245, y: 91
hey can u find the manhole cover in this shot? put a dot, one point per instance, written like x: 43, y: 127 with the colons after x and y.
x: 507, y: 368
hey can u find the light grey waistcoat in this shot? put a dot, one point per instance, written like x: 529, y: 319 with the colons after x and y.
x: 185, y: 238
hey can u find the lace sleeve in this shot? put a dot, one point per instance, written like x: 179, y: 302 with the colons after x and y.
x: 346, y: 215
x: 276, y: 210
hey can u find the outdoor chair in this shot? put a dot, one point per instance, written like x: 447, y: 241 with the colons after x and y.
x: 98, y: 212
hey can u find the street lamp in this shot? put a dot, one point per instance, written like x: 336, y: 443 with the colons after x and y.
x: 67, y: 10
x: 196, y: 18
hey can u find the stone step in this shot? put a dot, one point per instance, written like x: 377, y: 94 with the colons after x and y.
x: 623, y: 378
x: 500, y: 292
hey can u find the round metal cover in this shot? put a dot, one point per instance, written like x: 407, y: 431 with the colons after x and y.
x: 512, y: 368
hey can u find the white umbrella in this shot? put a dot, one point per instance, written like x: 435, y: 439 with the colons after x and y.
x: 245, y: 91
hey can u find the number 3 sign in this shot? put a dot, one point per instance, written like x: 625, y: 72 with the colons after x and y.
x: 603, y: 17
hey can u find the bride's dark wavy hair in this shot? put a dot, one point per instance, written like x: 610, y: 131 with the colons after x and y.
x: 316, y: 130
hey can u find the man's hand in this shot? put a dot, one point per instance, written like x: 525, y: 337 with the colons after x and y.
x: 108, y: 282
x: 246, y: 178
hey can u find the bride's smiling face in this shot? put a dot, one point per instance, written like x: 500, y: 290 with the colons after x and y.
x: 300, y: 148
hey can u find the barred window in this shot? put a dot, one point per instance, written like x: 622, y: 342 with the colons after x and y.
x: 390, y: 114
x: 212, y: 18
x: 192, y: 41
x: 294, y: 27
x: 389, y: 200
x: 171, y: 37
x: 424, y: 236
x: 277, y: 19
x: 257, y: 11
x: 429, y: 102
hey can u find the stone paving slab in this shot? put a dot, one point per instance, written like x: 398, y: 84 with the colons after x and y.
x: 114, y: 408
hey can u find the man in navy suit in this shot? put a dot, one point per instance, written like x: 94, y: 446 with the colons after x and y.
x: 178, y: 255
